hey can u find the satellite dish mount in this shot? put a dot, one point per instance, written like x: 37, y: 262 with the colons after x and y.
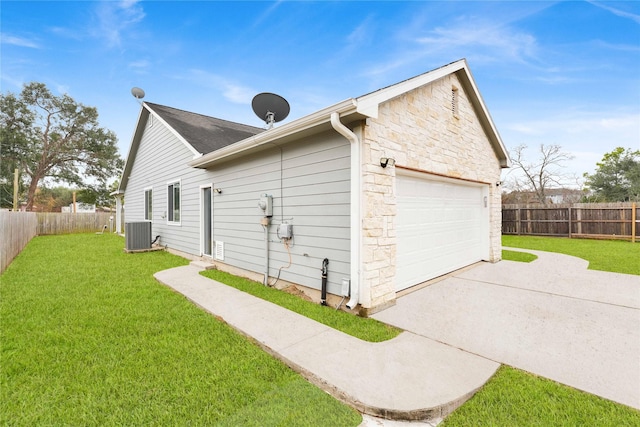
x: 270, y: 107
x: 270, y: 119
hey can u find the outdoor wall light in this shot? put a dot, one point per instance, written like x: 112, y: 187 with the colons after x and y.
x: 218, y: 190
x: 384, y: 161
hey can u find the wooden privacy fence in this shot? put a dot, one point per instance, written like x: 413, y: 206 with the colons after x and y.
x: 579, y: 220
x: 18, y: 228
x: 67, y: 223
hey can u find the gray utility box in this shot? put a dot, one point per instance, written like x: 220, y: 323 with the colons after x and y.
x: 137, y: 235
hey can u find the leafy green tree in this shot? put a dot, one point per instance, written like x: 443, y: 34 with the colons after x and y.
x: 47, y: 136
x: 99, y: 196
x: 617, y: 178
x: 15, y: 131
x: 51, y: 199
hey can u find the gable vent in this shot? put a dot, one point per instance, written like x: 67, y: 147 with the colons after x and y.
x: 454, y: 101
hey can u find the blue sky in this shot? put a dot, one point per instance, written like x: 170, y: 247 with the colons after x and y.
x: 564, y: 73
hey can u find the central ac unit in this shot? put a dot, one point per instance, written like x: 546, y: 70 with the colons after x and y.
x: 137, y: 235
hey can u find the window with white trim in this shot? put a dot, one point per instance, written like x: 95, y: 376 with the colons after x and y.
x: 173, y: 202
x: 148, y: 204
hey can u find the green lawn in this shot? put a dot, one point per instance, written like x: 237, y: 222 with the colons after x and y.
x: 518, y: 256
x: 607, y: 255
x: 367, y: 329
x: 517, y: 398
x: 511, y: 398
x: 89, y: 338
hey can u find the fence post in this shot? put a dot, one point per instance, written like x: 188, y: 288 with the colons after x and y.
x: 634, y: 218
x: 569, y: 212
x: 518, y: 221
x: 579, y: 219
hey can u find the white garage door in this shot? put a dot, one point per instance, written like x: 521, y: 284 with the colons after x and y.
x: 441, y: 225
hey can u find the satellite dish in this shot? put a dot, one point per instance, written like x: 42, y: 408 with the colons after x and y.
x: 137, y: 93
x: 270, y: 107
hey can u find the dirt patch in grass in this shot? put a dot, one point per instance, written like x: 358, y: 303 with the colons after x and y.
x: 293, y: 290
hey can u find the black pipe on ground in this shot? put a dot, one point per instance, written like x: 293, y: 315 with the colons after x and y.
x: 323, y: 297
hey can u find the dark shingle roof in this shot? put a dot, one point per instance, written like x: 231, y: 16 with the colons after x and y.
x: 204, y: 133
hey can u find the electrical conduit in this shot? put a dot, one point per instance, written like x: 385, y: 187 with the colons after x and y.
x: 265, y: 224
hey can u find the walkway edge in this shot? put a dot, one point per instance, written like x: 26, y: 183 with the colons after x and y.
x: 308, y: 347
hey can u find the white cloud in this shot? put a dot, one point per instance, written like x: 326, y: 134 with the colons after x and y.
x: 480, y: 40
x: 392, y: 64
x: 18, y: 41
x: 265, y: 15
x: 488, y: 39
x: 140, y: 67
x: 115, y: 18
x: 588, y: 135
x: 68, y: 33
x: 618, y: 47
x: 618, y: 12
x: 62, y: 89
x: 11, y: 81
x: 554, y: 80
x: 626, y: 125
x: 236, y: 93
x: 232, y: 91
x: 361, y: 34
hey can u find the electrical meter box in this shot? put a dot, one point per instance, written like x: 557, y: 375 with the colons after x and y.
x: 285, y: 231
x: 266, y: 204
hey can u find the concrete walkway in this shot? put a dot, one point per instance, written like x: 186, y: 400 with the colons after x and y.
x: 552, y: 317
x: 411, y: 377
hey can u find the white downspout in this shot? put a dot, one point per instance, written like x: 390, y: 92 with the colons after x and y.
x: 355, y: 206
x: 118, y: 214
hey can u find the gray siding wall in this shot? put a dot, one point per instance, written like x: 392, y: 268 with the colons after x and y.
x: 309, y: 182
x: 310, y: 189
x: 162, y: 158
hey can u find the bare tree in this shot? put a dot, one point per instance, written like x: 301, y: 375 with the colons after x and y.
x: 541, y: 175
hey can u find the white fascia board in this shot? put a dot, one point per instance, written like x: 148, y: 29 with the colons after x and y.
x: 368, y: 104
x: 487, y: 119
x: 273, y: 135
x: 133, y: 149
x: 195, y: 152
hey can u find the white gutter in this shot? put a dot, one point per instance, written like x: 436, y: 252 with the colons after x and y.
x: 356, y: 168
x: 272, y: 135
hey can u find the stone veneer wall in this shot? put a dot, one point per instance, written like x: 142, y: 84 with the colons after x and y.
x: 420, y: 131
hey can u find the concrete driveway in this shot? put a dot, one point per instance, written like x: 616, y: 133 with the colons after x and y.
x: 551, y: 317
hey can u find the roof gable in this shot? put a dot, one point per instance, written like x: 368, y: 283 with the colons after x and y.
x: 204, y: 133
x: 199, y: 133
x: 213, y: 140
x: 368, y: 104
x: 362, y: 107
